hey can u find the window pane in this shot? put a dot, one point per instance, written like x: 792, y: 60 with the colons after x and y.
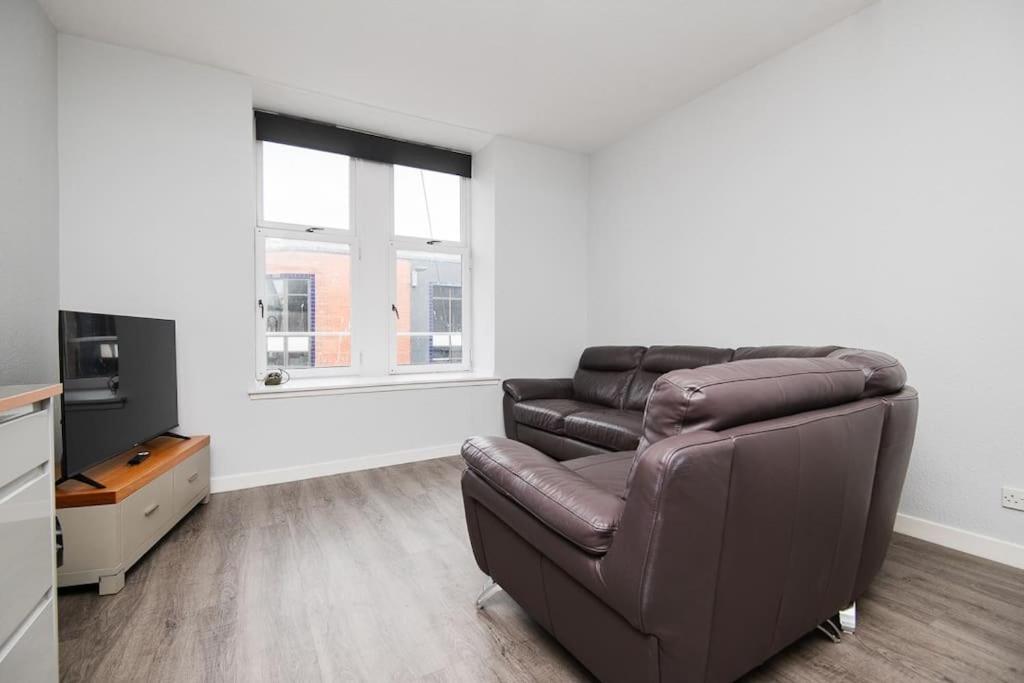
x: 298, y: 313
x: 428, y: 204
x: 429, y: 302
x: 305, y: 186
x: 307, y: 303
x: 299, y: 349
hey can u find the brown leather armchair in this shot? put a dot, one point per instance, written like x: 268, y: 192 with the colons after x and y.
x: 759, y: 503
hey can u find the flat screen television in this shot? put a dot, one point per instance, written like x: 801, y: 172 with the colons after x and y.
x: 120, y: 386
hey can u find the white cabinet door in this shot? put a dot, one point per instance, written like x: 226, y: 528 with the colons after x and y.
x: 25, y: 537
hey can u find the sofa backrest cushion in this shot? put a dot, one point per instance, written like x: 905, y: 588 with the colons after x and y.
x: 718, y: 397
x: 661, y: 359
x: 604, y: 374
x: 752, y: 352
x: 883, y: 374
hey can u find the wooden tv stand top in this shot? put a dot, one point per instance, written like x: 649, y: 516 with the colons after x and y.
x: 122, y: 479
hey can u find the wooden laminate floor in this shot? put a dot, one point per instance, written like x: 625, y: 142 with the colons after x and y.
x: 368, y: 577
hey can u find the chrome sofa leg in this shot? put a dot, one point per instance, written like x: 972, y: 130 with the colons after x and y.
x: 490, y: 588
x: 829, y: 628
x: 848, y: 618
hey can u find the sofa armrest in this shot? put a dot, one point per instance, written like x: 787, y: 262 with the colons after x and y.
x: 558, y: 497
x: 665, y: 559
x: 529, y: 389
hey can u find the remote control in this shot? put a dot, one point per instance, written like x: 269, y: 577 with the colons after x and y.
x: 138, y: 457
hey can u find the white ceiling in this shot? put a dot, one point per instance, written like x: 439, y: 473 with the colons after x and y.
x: 577, y: 74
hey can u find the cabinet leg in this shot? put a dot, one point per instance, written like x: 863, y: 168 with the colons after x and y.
x: 111, y: 584
x: 205, y: 500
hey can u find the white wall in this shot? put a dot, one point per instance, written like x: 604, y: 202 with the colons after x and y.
x: 28, y: 194
x: 529, y: 258
x: 540, y: 205
x: 863, y: 188
x: 484, y: 240
x: 157, y: 215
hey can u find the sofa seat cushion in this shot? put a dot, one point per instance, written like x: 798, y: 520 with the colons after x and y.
x: 567, y: 503
x: 606, y: 470
x: 618, y: 430
x: 548, y: 414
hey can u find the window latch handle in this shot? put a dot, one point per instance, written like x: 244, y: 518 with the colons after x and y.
x: 433, y: 242
x: 394, y: 309
x: 313, y: 229
x: 259, y: 302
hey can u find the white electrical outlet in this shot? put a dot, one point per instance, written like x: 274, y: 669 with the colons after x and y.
x: 1013, y: 498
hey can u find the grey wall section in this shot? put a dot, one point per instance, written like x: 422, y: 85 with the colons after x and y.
x: 28, y: 194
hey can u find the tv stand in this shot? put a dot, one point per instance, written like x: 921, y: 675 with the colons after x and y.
x: 82, y: 478
x: 107, y: 530
x: 176, y: 436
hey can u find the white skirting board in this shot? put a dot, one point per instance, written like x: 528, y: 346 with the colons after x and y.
x: 233, y: 482
x: 969, y: 542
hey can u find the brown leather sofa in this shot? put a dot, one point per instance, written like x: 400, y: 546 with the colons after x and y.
x: 759, y: 502
x: 601, y: 408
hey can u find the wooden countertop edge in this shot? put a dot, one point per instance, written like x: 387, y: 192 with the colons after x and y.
x: 162, y: 460
x: 31, y: 395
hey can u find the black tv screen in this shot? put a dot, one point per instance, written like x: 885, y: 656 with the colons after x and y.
x: 120, y: 385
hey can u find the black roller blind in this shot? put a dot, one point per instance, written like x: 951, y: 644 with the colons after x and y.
x: 291, y: 130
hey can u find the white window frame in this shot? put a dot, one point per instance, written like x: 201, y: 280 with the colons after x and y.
x: 311, y: 233
x: 421, y: 244
x: 377, y: 236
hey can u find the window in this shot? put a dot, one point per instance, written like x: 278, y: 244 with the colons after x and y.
x: 304, y: 261
x: 427, y: 204
x: 429, y: 253
x: 289, y: 298
x: 432, y: 325
x: 446, y: 316
x: 305, y: 187
x: 307, y: 314
x: 362, y: 267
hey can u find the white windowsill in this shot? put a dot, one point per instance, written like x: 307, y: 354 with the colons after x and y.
x: 326, y: 386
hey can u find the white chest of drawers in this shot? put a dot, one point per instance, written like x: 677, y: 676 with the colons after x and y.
x: 28, y: 607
